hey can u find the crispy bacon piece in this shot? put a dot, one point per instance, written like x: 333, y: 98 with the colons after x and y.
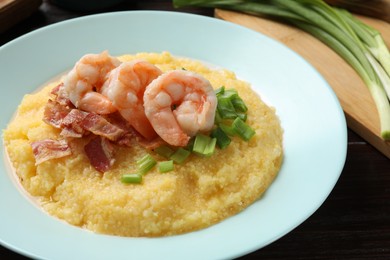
x: 72, y: 124
x: 116, y: 119
x: 100, y: 153
x: 62, y: 96
x: 131, y: 134
x: 75, y: 123
x: 54, y: 113
x: 100, y: 126
x: 48, y: 149
x: 56, y: 89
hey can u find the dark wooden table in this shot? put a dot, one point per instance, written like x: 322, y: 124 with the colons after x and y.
x: 353, y: 223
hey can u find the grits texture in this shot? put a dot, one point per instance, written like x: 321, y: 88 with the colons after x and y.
x: 197, y: 194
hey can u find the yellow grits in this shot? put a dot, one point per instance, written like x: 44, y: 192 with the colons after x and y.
x: 197, y: 194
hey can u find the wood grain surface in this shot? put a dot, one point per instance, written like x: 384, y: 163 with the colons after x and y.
x: 14, y: 11
x: 354, y: 97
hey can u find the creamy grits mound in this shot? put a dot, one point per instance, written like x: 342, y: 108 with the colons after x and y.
x: 199, y: 193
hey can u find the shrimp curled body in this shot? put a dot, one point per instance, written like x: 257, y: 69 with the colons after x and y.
x: 83, y: 82
x: 179, y: 104
x: 125, y: 88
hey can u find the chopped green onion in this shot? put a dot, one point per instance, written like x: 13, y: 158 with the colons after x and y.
x: 145, y: 164
x: 180, y: 155
x: 131, y: 178
x: 229, y: 130
x: 222, y: 139
x: 242, y: 116
x: 200, y: 143
x: 230, y: 105
x: 190, y: 144
x: 225, y: 108
x: 165, y: 166
x: 239, y: 104
x: 210, y: 147
x: 218, y: 118
x: 242, y: 129
x: 164, y: 151
x: 236, y: 100
x: 204, y: 145
x: 220, y: 91
x: 229, y: 93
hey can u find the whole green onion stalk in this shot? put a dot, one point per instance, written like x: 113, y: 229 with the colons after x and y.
x: 359, y: 44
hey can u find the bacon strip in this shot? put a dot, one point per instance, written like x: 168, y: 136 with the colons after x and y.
x: 117, y: 119
x: 131, y: 134
x: 54, y: 113
x: 100, y: 126
x: 62, y: 96
x: 72, y: 124
x: 76, y: 123
x: 100, y: 153
x: 48, y: 149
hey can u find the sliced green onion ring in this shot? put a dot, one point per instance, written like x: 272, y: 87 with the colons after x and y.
x: 145, y: 164
x: 164, y: 151
x: 165, y: 166
x: 242, y: 129
x: 222, y: 138
x: 204, y: 145
x: 180, y: 155
x: 131, y: 178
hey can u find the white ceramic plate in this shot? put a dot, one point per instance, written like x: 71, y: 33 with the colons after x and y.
x: 315, y: 137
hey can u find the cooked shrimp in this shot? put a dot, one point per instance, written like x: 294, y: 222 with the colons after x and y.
x: 125, y: 88
x: 179, y: 104
x: 84, y: 81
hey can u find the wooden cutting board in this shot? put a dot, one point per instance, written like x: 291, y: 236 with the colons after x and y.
x: 14, y: 11
x: 354, y: 97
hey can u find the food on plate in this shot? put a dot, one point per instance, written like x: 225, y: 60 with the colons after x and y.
x: 144, y: 145
x: 194, y: 100
x: 125, y: 87
x: 90, y: 71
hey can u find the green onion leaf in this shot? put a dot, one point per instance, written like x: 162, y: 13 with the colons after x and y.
x: 218, y: 119
x: 210, y: 147
x: 230, y: 105
x: 220, y: 91
x: 131, y: 178
x: 200, y: 143
x: 180, y: 155
x: 229, y: 130
x: 222, y: 139
x: 242, y: 129
x: 239, y: 105
x: 164, y: 151
x: 242, y: 116
x: 230, y: 94
x: 145, y: 164
x: 225, y: 108
x: 204, y: 145
x: 165, y: 166
x: 190, y: 144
